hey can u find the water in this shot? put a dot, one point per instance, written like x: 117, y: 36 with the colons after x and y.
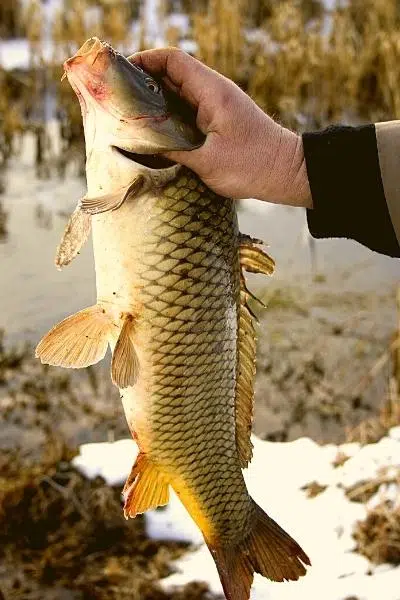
x: 34, y: 295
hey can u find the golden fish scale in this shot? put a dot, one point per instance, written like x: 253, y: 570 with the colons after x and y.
x: 190, y: 296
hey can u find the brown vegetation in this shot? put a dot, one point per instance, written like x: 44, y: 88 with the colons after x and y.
x: 374, y: 428
x: 11, y: 24
x: 304, y: 66
x: 378, y: 537
x: 63, y: 536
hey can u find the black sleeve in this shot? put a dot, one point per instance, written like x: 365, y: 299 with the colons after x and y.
x: 346, y: 187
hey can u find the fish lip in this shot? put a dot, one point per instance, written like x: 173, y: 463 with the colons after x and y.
x: 93, y: 46
x: 152, y: 161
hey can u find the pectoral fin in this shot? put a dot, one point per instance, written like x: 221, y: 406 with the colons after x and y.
x: 78, y: 341
x: 101, y: 204
x: 125, y: 363
x: 145, y: 488
x: 75, y: 235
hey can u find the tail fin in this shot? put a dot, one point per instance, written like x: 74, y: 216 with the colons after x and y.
x: 267, y: 550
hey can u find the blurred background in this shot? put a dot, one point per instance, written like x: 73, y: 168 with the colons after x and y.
x: 329, y: 340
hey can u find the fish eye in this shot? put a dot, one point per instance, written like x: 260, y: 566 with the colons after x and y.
x: 153, y: 86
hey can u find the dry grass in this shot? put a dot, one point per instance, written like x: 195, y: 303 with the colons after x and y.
x: 305, y: 67
x: 219, y: 32
x: 364, y: 490
x: 11, y: 24
x: 373, y: 429
x: 378, y: 537
x: 63, y: 535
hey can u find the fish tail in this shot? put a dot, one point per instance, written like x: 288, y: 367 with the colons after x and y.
x: 267, y: 550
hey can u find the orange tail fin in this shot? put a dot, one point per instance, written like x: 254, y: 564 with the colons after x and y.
x: 268, y: 550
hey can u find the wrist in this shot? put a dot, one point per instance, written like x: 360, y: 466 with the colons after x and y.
x: 298, y: 192
x: 286, y: 174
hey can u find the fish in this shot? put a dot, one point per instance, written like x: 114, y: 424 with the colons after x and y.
x: 174, y: 308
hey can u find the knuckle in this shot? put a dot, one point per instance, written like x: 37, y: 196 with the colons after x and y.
x: 177, y: 53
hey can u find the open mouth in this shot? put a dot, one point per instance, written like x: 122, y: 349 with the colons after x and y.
x: 151, y: 161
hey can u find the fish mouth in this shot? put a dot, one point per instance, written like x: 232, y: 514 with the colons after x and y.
x: 150, y: 161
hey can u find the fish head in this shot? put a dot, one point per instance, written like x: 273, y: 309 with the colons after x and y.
x: 125, y: 107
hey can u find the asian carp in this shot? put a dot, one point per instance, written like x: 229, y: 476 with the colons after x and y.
x: 172, y: 304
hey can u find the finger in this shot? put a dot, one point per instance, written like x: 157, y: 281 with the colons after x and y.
x: 169, y: 85
x: 166, y: 61
x: 198, y: 160
x: 188, y: 74
x: 187, y: 158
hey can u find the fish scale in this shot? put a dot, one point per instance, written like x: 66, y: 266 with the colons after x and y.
x: 173, y: 306
x: 176, y: 402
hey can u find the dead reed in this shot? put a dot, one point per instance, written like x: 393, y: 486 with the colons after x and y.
x: 302, y: 64
x: 373, y: 429
x: 11, y: 24
x: 378, y: 536
x: 62, y: 532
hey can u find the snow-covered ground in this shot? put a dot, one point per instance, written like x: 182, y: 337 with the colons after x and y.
x: 323, y: 525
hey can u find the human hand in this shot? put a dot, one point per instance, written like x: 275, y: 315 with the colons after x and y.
x: 245, y: 154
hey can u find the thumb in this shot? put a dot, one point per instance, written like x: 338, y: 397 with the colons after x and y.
x: 191, y: 159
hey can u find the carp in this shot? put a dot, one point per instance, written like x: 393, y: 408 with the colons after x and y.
x: 173, y: 306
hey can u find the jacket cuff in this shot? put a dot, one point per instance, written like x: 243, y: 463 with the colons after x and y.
x: 346, y: 187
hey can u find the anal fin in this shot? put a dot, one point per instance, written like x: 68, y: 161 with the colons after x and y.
x: 78, y: 341
x: 125, y: 362
x: 146, y: 488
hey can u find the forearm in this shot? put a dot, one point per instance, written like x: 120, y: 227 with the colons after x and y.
x: 354, y: 177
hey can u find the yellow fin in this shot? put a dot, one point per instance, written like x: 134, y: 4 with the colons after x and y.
x: 75, y: 235
x: 94, y: 206
x: 267, y: 550
x: 125, y: 363
x: 78, y: 341
x: 145, y: 488
x: 254, y: 259
x: 246, y: 371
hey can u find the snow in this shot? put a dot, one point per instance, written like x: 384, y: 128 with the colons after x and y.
x: 111, y: 461
x: 322, y: 525
x: 14, y: 54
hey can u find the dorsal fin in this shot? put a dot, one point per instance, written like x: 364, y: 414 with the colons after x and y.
x: 246, y: 371
x: 256, y: 260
